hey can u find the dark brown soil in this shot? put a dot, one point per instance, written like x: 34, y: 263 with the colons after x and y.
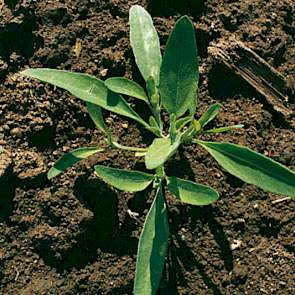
x: 72, y: 235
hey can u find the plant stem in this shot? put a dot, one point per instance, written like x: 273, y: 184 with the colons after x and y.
x: 189, y: 134
x: 128, y: 148
x: 160, y: 171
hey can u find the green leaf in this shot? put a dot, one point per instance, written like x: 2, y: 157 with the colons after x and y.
x: 95, y: 114
x: 125, y: 86
x: 130, y: 181
x: 159, y: 151
x: 190, y: 192
x: 71, y: 158
x: 145, y: 43
x: 223, y: 129
x: 151, y: 87
x: 87, y: 88
x: 152, y: 248
x: 253, y: 167
x: 153, y: 122
x: 210, y: 114
x: 180, y: 123
x: 139, y: 154
x: 179, y: 71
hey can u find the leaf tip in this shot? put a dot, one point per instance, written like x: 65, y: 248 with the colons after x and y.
x: 185, y: 20
x: 51, y: 173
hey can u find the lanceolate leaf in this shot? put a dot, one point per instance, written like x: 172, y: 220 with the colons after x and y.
x: 224, y: 129
x: 131, y: 181
x: 87, y: 88
x: 125, y: 86
x: 71, y: 158
x: 190, y: 192
x: 145, y: 43
x: 95, y: 114
x: 179, y: 71
x: 210, y: 114
x: 159, y: 151
x: 253, y: 167
x: 153, y: 122
x: 180, y: 123
x: 152, y: 248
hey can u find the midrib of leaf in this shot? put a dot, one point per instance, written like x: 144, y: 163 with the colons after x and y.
x: 91, y: 89
x: 249, y: 164
x: 145, y: 45
x: 177, y: 81
x: 134, y: 179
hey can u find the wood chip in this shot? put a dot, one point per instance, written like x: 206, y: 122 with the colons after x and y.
x: 254, y: 70
x: 78, y: 47
x: 281, y: 200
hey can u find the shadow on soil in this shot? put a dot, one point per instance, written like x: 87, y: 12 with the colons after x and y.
x: 102, y: 233
x: 8, y: 184
x: 224, y: 84
x: 7, y: 192
x: 181, y: 256
x: 127, y: 289
x: 181, y: 167
x: 12, y: 37
x: 43, y: 139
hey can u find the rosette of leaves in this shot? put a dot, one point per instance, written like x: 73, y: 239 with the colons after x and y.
x: 171, y: 85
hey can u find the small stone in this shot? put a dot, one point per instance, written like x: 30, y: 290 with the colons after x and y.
x: 109, y: 120
x: 236, y: 244
x: 16, y: 132
x: 103, y: 72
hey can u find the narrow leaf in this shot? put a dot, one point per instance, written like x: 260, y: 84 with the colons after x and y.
x: 145, y: 43
x: 223, y: 129
x: 253, y: 167
x: 179, y: 71
x: 151, y: 86
x: 95, y: 114
x: 71, y: 158
x: 197, y: 125
x: 87, y: 88
x: 180, y: 123
x: 159, y: 151
x: 190, y: 192
x: 128, y: 87
x: 152, y: 248
x: 153, y: 122
x: 210, y: 114
x: 131, y: 181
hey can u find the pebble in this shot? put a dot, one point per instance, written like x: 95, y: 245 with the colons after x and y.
x: 16, y: 132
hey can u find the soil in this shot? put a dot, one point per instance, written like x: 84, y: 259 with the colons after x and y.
x: 73, y: 235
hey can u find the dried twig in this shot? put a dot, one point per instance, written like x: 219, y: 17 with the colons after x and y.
x: 281, y: 200
x: 254, y: 70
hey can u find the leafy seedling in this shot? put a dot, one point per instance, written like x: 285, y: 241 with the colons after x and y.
x: 171, y: 85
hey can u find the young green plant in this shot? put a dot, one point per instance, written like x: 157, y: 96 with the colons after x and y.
x: 171, y: 85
